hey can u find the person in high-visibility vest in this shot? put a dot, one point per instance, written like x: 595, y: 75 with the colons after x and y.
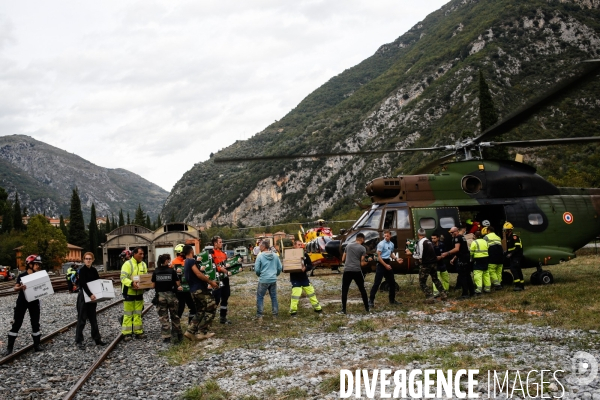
x: 496, y: 256
x: 133, y: 296
x: 70, y: 273
x: 479, y: 253
x: 514, y: 254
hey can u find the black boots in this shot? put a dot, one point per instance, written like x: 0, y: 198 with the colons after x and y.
x: 10, y: 345
x: 36, y: 343
x: 223, y: 316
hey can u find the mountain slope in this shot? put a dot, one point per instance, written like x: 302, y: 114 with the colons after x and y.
x: 44, y: 177
x: 420, y: 90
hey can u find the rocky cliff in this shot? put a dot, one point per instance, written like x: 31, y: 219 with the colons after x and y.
x: 421, y: 90
x: 44, y: 177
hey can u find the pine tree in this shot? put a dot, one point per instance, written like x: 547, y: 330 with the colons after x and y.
x: 63, y: 227
x: 7, y: 218
x: 114, y: 223
x: 158, y: 222
x: 93, y: 232
x: 121, y: 219
x: 17, y: 216
x: 128, y: 219
x: 77, y: 234
x: 140, y: 218
x: 148, y: 222
x: 108, y: 227
x: 487, y: 118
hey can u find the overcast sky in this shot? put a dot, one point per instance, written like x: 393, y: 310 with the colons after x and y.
x: 156, y: 86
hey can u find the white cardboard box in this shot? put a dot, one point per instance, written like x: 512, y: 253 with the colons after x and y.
x: 103, y: 289
x: 38, y: 285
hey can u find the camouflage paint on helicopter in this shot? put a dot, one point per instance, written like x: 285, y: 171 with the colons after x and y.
x: 498, y: 191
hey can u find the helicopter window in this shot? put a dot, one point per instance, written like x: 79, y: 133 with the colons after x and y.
x: 427, y: 223
x: 388, y: 223
x: 471, y: 184
x: 535, y: 219
x: 370, y: 220
x: 402, y: 219
x: 447, y: 222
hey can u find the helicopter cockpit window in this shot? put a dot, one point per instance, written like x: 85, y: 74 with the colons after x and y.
x: 427, y: 223
x: 402, y: 221
x: 370, y: 219
x: 366, y: 219
x: 447, y: 222
x: 535, y: 219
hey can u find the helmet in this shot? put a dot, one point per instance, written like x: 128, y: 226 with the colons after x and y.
x: 33, y: 259
x: 485, y: 222
x: 507, y: 226
x: 125, y: 253
x: 484, y: 231
x: 178, y: 249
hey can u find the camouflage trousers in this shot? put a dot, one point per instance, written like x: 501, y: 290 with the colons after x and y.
x: 425, y: 271
x: 167, y: 307
x: 206, y: 309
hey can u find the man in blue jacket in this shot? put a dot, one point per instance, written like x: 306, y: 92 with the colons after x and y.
x: 267, y: 268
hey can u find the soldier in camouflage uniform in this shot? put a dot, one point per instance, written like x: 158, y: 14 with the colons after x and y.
x: 166, y: 282
x: 425, y: 253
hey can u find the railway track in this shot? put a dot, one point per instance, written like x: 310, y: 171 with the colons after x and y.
x: 56, y: 387
x: 25, y: 349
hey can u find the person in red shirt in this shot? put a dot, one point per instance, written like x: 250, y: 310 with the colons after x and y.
x: 221, y: 294
x: 185, y: 296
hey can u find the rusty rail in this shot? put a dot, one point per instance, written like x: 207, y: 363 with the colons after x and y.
x: 49, y: 336
x: 75, y: 388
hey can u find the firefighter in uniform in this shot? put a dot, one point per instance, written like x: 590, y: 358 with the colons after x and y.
x: 496, y: 256
x: 133, y: 297
x: 221, y: 294
x: 514, y: 255
x: 479, y: 253
x: 32, y: 264
x: 184, y: 296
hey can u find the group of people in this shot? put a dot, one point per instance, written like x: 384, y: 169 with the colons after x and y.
x: 182, y: 281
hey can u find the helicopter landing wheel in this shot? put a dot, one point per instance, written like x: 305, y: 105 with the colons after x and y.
x: 546, y: 278
x: 535, y: 278
x: 385, y: 287
x: 507, y: 278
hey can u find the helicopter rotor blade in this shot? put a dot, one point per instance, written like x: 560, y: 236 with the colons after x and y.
x: 323, y: 155
x: 588, y: 68
x: 425, y: 169
x: 544, y: 142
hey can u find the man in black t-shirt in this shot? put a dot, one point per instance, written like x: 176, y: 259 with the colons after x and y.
x: 462, y: 254
x: 166, y: 283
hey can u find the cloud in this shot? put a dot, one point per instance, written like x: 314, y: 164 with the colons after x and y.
x: 140, y: 84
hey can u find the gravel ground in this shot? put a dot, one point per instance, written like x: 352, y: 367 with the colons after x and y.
x: 293, y: 367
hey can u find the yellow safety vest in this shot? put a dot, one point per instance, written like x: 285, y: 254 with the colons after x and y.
x: 479, y: 248
x: 492, y: 239
x: 128, y: 270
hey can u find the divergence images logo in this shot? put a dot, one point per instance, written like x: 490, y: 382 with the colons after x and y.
x: 584, y: 369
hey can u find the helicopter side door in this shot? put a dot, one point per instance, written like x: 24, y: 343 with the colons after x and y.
x: 435, y: 219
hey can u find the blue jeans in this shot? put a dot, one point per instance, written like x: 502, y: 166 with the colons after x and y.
x: 260, y: 294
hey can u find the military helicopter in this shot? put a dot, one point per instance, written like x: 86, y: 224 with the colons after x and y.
x: 552, y: 222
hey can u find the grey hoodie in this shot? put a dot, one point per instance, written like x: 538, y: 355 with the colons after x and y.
x: 267, y: 267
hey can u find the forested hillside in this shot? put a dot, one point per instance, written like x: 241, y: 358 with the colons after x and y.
x: 421, y: 90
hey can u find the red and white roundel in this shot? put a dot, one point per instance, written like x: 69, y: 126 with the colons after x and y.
x: 568, y: 218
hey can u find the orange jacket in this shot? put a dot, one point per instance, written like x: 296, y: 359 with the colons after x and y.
x: 219, y: 257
